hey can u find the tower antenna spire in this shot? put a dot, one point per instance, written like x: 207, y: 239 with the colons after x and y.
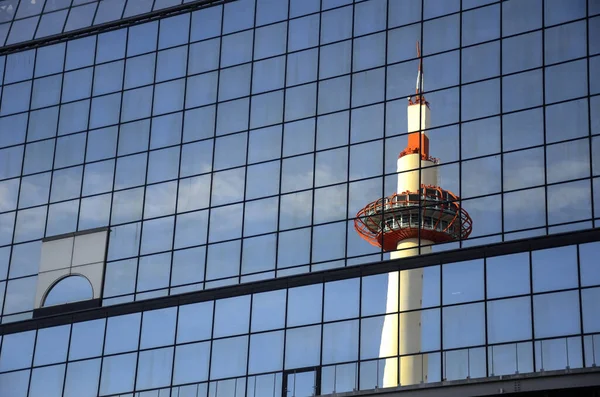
x: 419, y: 87
x: 419, y: 97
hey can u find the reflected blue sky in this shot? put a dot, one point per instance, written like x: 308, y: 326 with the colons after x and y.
x: 338, y: 174
x: 509, y: 320
x: 216, y: 177
x: 480, y: 179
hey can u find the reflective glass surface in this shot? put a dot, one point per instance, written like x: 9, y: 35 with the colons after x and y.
x: 220, y: 88
x: 326, y: 335
x: 235, y: 142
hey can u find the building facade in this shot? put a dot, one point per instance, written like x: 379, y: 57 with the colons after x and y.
x: 183, y: 188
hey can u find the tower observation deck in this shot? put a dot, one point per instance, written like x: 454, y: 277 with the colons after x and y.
x: 409, y: 222
x: 419, y: 209
x: 431, y: 213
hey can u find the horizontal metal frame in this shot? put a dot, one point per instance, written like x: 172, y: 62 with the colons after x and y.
x: 108, y: 26
x: 68, y: 307
x: 580, y: 381
x: 77, y: 233
x: 464, y: 254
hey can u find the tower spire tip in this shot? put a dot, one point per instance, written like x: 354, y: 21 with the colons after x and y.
x: 419, y: 97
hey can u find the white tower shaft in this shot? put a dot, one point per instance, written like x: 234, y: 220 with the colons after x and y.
x: 403, y: 337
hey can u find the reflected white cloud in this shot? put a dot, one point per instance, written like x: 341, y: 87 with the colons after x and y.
x: 562, y: 170
x: 330, y: 203
x: 8, y: 194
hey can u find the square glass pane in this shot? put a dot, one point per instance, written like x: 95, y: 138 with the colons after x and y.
x: 419, y: 331
x: 52, y: 345
x: 590, y: 272
x: 118, y: 374
x: 47, y: 381
x: 232, y: 316
x: 507, y: 275
x: 462, y: 281
x: 303, y: 32
x: 269, y: 74
x: 509, y: 320
x: 341, y: 299
x: 229, y: 357
x: 556, y: 314
x: 521, y: 16
x: 302, y: 347
x: 554, y: 269
x: 301, y: 297
x: 154, y: 368
x: 340, y: 342
x: 464, y: 325
x: 194, y: 322
x: 268, y: 310
x: 122, y: 333
x: 258, y: 254
x: 266, y: 352
x: 17, y: 350
x: 191, y: 363
x: 270, y: 40
x: 233, y: 116
x: 82, y: 378
x: 158, y: 327
x: 86, y: 339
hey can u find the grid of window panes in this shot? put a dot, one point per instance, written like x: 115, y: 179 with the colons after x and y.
x: 237, y: 142
x: 36, y: 19
x: 503, y: 315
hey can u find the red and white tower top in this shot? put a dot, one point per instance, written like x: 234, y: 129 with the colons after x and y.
x: 420, y: 211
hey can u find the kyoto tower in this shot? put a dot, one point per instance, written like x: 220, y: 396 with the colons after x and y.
x: 419, y: 212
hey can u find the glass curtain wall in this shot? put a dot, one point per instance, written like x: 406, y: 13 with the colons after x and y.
x: 500, y: 315
x: 237, y: 142
x: 25, y: 20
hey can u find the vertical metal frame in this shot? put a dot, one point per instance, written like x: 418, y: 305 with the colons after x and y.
x: 532, y: 311
x: 239, y: 276
x: 32, y: 361
x: 248, y: 132
x: 285, y: 324
x: 321, y: 327
x: 114, y: 176
x: 314, y: 152
x: 420, y: 169
x: 87, y: 133
x: 102, y: 358
x: 384, y: 139
x: 485, y: 318
x: 212, y: 332
x: 138, y: 351
x: 214, y: 144
x: 460, y: 108
x: 545, y: 142
x: 64, y: 386
x: 284, y: 123
x: 589, y: 111
x: 348, y: 149
x: 579, y: 293
x: 501, y: 117
x: 175, y: 215
x: 172, y: 380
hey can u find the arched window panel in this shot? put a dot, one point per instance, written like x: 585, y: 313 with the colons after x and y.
x: 68, y: 290
x: 71, y: 270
